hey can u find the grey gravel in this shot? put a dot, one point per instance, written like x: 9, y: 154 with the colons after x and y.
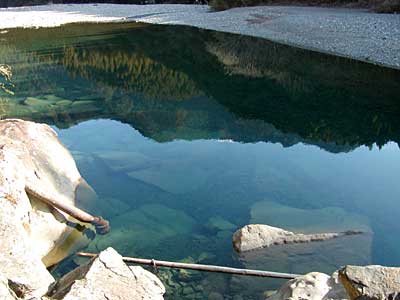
x: 353, y: 33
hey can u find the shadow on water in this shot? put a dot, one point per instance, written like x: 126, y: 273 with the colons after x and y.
x: 169, y: 124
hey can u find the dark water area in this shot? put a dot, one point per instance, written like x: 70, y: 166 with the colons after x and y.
x: 186, y: 135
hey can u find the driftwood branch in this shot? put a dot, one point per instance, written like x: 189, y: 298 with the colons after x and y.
x: 102, y: 226
x: 198, y: 267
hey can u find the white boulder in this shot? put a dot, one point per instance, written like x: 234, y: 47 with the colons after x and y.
x: 255, y: 236
x: 312, y: 286
x: 106, y: 276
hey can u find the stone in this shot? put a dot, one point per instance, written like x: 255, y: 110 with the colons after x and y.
x: 215, y: 296
x: 126, y: 161
x: 32, y: 234
x: 106, y: 276
x: 255, y: 236
x: 5, y: 292
x: 371, y: 282
x: 154, y: 224
x: 327, y: 219
x: 37, y: 102
x: 218, y: 223
x: 187, y: 290
x: 187, y: 177
x: 312, y: 286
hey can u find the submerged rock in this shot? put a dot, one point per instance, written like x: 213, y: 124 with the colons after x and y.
x: 312, y: 286
x: 154, y: 225
x: 218, y: 223
x: 107, y: 277
x: 371, y: 282
x: 256, y: 236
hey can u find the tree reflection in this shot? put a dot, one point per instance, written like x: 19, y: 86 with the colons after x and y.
x: 177, y: 82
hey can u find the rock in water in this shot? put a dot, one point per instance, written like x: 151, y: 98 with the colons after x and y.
x: 256, y: 236
x: 312, y: 286
x: 106, y: 276
x: 371, y: 282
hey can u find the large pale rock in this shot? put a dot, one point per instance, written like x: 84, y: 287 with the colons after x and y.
x: 107, y: 277
x: 255, y: 236
x: 371, y: 282
x: 312, y: 286
x: 32, y: 159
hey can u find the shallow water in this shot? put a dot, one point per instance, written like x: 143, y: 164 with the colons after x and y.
x: 186, y: 135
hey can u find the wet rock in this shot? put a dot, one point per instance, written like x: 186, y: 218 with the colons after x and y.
x: 257, y: 236
x: 107, y: 277
x: 188, y: 175
x: 371, y: 282
x: 217, y: 223
x: 302, y: 258
x: 37, y: 102
x: 327, y: 219
x: 153, y: 224
x: 126, y: 161
x: 215, y: 296
x: 188, y: 290
x: 312, y: 286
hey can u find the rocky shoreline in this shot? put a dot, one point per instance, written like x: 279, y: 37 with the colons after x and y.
x: 35, y: 236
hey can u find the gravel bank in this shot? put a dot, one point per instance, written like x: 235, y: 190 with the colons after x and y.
x: 353, y: 33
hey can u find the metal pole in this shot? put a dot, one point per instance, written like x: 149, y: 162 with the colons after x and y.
x: 102, y: 226
x: 198, y: 267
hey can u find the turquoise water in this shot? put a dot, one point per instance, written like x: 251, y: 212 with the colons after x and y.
x: 186, y: 135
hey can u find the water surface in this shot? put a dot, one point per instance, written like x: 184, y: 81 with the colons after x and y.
x: 186, y: 135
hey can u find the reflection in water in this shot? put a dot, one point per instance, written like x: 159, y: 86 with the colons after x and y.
x: 172, y: 131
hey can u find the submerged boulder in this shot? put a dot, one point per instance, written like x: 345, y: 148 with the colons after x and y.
x: 106, y: 276
x: 371, y: 282
x: 312, y: 286
x: 255, y: 236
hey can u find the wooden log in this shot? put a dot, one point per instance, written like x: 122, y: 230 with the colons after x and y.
x: 199, y: 267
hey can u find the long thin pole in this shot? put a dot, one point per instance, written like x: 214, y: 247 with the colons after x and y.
x: 198, y: 267
x: 102, y: 226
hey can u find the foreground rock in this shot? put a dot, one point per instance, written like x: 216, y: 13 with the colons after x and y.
x: 108, y: 277
x: 312, y: 286
x: 5, y: 292
x: 256, y: 236
x: 371, y: 282
x: 33, y: 235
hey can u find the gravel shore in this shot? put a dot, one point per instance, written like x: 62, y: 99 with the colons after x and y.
x: 353, y: 33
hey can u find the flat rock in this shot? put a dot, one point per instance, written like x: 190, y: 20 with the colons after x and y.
x: 153, y: 225
x: 255, y: 236
x: 107, y: 277
x: 326, y: 219
x: 371, y: 282
x: 312, y: 286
